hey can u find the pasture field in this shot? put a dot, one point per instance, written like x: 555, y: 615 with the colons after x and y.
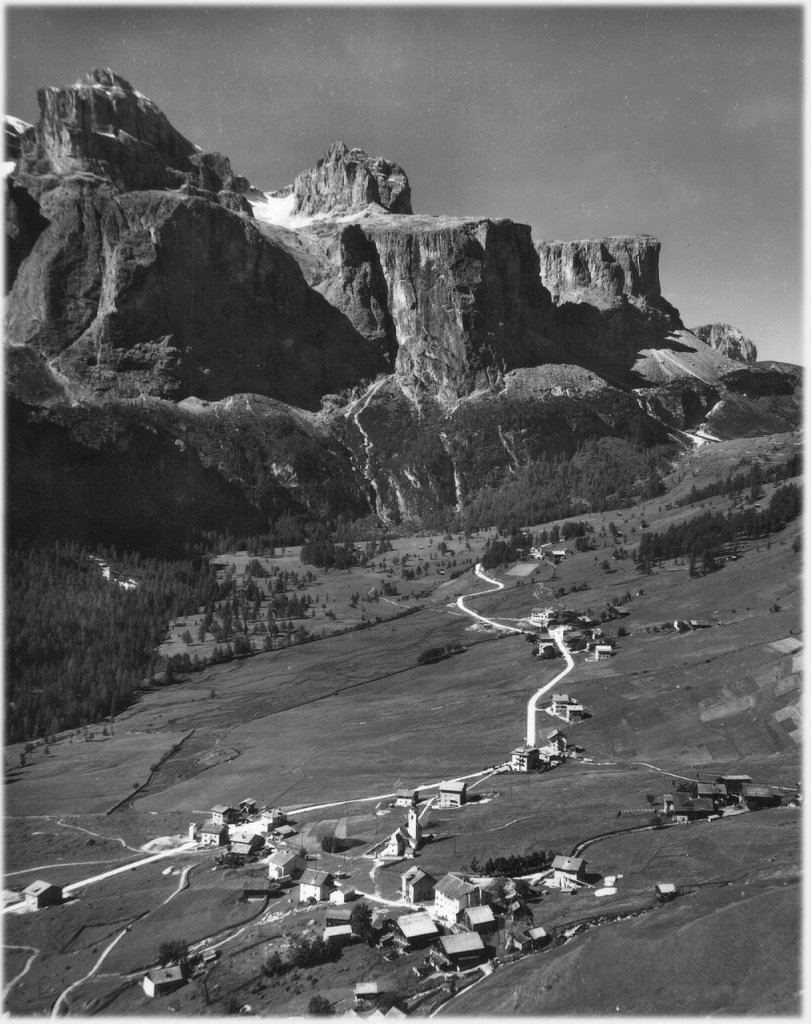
x: 328, y: 730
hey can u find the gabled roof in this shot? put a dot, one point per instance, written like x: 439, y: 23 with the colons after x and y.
x: 525, y: 748
x: 480, y: 915
x: 711, y: 789
x: 39, y: 887
x: 537, y: 932
x: 415, y: 875
x: 452, y: 787
x: 734, y: 778
x: 366, y: 988
x: 415, y: 926
x: 211, y: 826
x: 561, y: 863
x: 334, y: 931
x: 285, y: 830
x: 281, y: 858
x: 464, y: 942
x: 165, y: 974
x: 454, y: 887
x: 665, y: 887
x: 221, y: 809
x: 313, y: 877
x: 555, y: 732
x: 754, y: 789
x: 408, y: 791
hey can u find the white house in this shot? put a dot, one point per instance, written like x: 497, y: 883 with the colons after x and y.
x: 555, y: 743
x: 453, y: 895
x: 222, y: 814
x: 567, y: 872
x: 452, y: 794
x: 314, y: 885
x: 212, y: 834
x: 162, y: 980
x: 285, y: 864
x: 41, y: 894
x: 524, y: 758
x: 417, y: 885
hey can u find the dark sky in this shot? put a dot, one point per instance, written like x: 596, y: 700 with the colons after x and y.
x: 680, y: 122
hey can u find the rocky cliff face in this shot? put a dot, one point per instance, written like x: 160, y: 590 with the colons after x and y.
x: 729, y: 340
x: 164, y: 294
x: 458, y: 301
x: 346, y: 180
x: 608, y: 299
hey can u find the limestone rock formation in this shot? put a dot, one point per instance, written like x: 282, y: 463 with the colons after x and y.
x: 729, y: 340
x: 347, y: 180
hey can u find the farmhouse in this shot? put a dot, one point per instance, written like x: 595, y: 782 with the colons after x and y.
x: 665, y: 892
x: 602, y: 652
x: 212, y: 834
x: 405, y: 797
x: 524, y: 758
x: 285, y: 864
x: 246, y: 843
x: 567, y: 872
x: 453, y: 895
x: 555, y: 743
x: 284, y: 832
x: 566, y: 707
x: 715, y: 791
x: 342, y: 934
x: 452, y: 794
x: 41, y: 894
x: 463, y: 950
x: 162, y: 980
x: 340, y: 896
x: 758, y: 797
x: 415, y: 931
x: 685, y: 807
x: 248, y: 805
x: 273, y: 818
x: 734, y: 783
x: 479, y: 919
x: 314, y: 885
x: 224, y: 815
x: 417, y: 885
x: 259, y: 890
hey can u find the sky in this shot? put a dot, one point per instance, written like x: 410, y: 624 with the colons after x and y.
x: 679, y: 122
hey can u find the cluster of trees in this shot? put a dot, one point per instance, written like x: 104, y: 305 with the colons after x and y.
x: 701, y: 536
x: 602, y: 474
x: 320, y: 548
x: 79, y: 645
x: 515, y: 864
x: 751, y: 480
x: 302, y: 952
x: 432, y: 654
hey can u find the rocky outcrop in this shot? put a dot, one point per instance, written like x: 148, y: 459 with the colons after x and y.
x: 104, y: 127
x: 163, y: 294
x: 729, y: 340
x: 459, y: 302
x: 347, y: 180
x: 608, y: 300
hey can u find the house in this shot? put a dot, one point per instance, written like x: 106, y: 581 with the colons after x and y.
x: 212, y: 834
x: 715, y: 791
x: 284, y: 832
x: 285, y: 864
x: 524, y: 940
x: 602, y: 652
x: 314, y: 885
x: 524, y: 758
x: 734, y: 783
x: 757, y: 797
x: 538, y: 936
x: 463, y: 950
x: 163, y: 980
x: 452, y: 794
x: 566, y: 707
x: 273, y: 818
x: 555, y: 743
x: 341, y: 934
x: 415, y: 931
x: 406, y: 797
x: 567, y: 872
x: 665, y: 892
x: 41, y: 894
x: 366, y: 994
x: 260, y: 890
x: 246, y: 843
x: 341, y: 896
x: 558, y: 554
x: 542, y: 617
x: 224, y: 815
x: 685, y: 807
x: 479, y: 919
x: 417, y: 885
x: 248, y: 806
x: 453, y: 894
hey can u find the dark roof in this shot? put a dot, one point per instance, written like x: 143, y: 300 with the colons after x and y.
x: 166, y: 974
x: 753, y: 789
x: 221, y: 809
x: 415, y: 926
x: 453, y: 787
x: 211, y: 826
x: 415, y: 874
x: 454, y: 887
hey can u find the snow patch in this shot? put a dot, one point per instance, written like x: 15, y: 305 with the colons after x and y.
x: 8, y: 167
x: 276, y: 210
x: 16, y: 123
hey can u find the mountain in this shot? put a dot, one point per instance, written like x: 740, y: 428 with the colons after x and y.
x: 318, y: 349
x: 729, y: 340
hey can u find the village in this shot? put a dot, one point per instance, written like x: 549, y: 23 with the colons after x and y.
x: 450, y: 928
